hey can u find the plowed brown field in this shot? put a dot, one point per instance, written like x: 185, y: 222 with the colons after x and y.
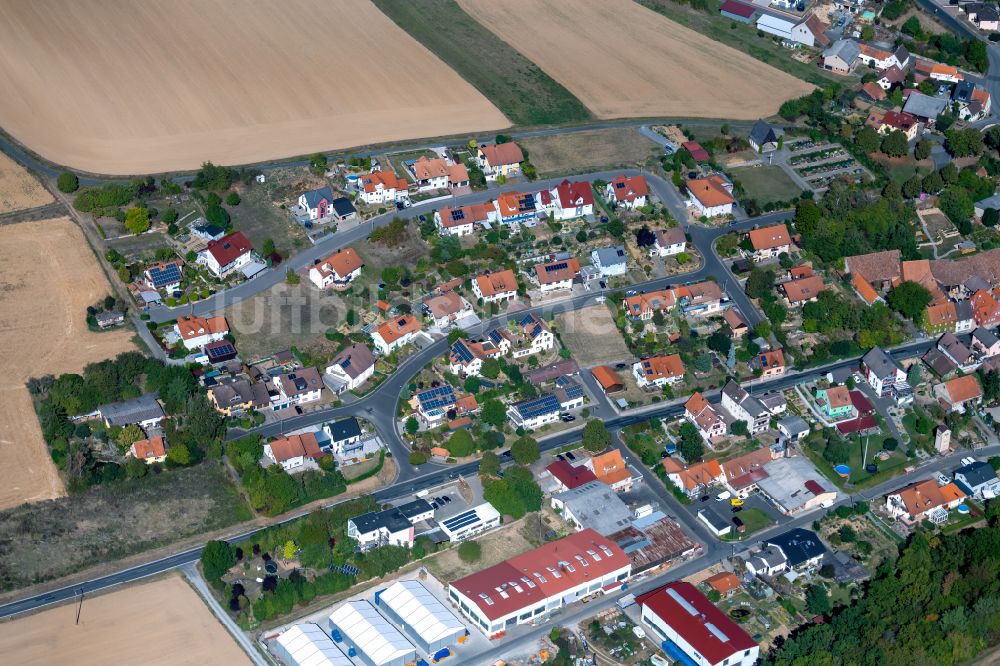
x: 141, y: 87
x: 623, y: 60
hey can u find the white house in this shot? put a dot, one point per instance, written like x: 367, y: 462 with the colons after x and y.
x: 465, y: 220
x: 710, y: 197
x: 680, y: 614
x: 769, y: 561
x: 628, y: 191
x: 658, y: 370
x: 343, y: 435
x: 568, y: 200
x: 669, y: 242
x: 351, y: 368
x: 392, y: 527
x: 298, y: 387
x: 467, y: 356
x: 445, y: 309
x: 379, y: 187
x: 318, y: 203
x: 610, y: 260
x: 196, y: 332
x: 710, y: 423
x: 229, y: 253
x: 881, y: 372
x: 495, y: 287
x: 556, y: 275
x: 744, y: 407
x: 293, y: 451
x: 338, y: 270
x: 808, y: 32
x: 500, y: 159
x: 395, y: 333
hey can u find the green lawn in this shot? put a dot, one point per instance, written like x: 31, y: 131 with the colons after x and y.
x: 741, y: 37
x: 766, y: 183
x: 519, y: 88
x: 859, y: 478
x: 754, y: 519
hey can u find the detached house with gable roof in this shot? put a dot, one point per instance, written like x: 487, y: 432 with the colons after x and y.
x: 395, y: 333
x: 298, y: 387
x: 293, y: 451
x: 711, y: 425
x: 769, y: 242
x: 958, y: 394
x: 763, y: 138
x: 627, y: 191
x: 196, y: 332
x: 658, y: 370
x: 150, y: 450
x: 226, y: 255
x: 669, y: 242
x: 711, y: 196
x: 500, y: 159
x: 318, y: 203
x: 643, y: 306
x: 438, y: 174
x: 744, y: 407
x: 558, y: 274
x: 694, y: 479
x: 467, y: 356
x: 351, y: 368
x: 338, y: 270
x: 495, y: 287
x: 382, y: 187
x: 924, y: 499
x: 568, y: 200
x: 465, y: 220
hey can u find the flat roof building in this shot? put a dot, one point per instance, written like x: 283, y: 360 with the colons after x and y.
x: 426, y: 620
x: 471, y: 522
x: 527, y: 586
x: 793, y: 485
x: 368, y: 636
x: 595, y: 505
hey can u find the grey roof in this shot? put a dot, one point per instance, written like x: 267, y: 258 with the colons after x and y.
x: 963, y: 310
x: 597, y: 506
x: 109, y: 316
x: 773, y: 401
x: 938, y: 362
x: 240, y: 391
x: 953, y: 347
x: 343, y: 207
x: 610, y: 256
x: 798, y: 545
x: 313, y: 197
x: 989, y: 202
x: 355, y: 360
x: 762, y: 133
x: 143, y: 408
x: 793, y: 425
x: 791, y: 483
x: 769, y: 557
x: 977, y: 474
x: 879, y: 362
x: 345, y: 429
x: 391, y: 519
x: 414, y: 508
x: 985, y: 336
x: 924, y: 106
x: 740, y: 396
x: 963, y: 91
x: 845, y: 49
x: 902, y: 55
x: 714, y: 519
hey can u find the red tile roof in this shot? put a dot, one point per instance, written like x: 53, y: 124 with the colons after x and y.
x: 534, y: 565
x: 768, y: 238
x: 557, y: 271
x: 697, y: 152
x: 496, y: 283
x: 695, y: 619
x: 501, y: 154
x: 229, y: 248
x: 629, y: 188
x: 295, y: 445
x: 575, y: 194
x: 570, y: 476
x: 737, y: 8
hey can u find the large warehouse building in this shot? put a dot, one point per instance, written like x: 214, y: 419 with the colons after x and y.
x: 540, y: 581
x: 693, y: 630
x: 427, y: 621
x: 370, y: 637
x: 306, y: 645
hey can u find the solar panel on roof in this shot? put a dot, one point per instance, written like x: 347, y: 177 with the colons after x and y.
x: 461, y: 352
x: 458, y: 214
x: 438, y: 397
x: 461, y: 520
x: 556, y: 267
x: 538, y: 406
x: 221, y: 350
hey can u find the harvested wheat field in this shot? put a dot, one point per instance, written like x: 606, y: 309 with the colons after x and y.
x: 623, y: 60
x: 48, y: 277
x: 162, y: 622
x: 143, y: 87
x: 18, y: 188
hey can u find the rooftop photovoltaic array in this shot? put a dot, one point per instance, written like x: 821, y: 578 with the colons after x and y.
x: 438, y: 397
x: 168, y: 274
x: 461, y: 351
x: 538, y: 406
x: 463, y: 519
x: 219, y: 351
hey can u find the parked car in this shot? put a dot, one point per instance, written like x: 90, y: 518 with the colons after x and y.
x: 568, y: 418
x: 704, y: 498
x: 723, y: 496
x: 736, y: 501
x: 737, y: 521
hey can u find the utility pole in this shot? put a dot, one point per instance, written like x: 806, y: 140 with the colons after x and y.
x: 79, y: 607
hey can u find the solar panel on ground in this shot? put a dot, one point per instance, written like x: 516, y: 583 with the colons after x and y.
x: 347, y: 569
